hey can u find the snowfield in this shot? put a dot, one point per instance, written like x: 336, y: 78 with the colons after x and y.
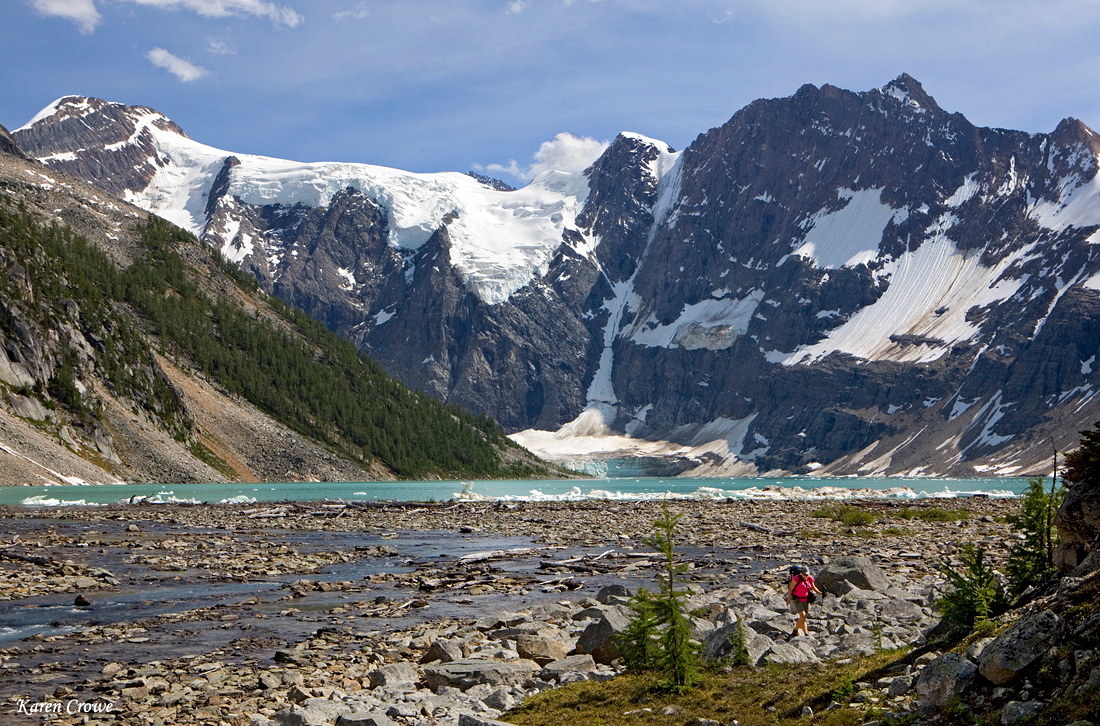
x: 500, y: 240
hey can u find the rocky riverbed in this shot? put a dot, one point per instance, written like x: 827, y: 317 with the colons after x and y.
x: 337, y: 612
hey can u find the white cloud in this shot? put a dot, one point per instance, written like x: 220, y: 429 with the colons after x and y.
x: 178, y: 67
x: 360, y: 11
x: 565, y: 152
x: 516, y: 7
x: 278, y: 14
x: 87, y: 17
x: 219, y: 46
x: 81, y: 12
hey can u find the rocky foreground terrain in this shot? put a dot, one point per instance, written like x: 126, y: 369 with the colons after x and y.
x: 338, y: 613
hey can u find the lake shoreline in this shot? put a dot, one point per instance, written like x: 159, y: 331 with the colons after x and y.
x: 296, y: 555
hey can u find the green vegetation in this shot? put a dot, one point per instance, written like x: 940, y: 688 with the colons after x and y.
x: 287, y: 364
x: 659, y: 635
x: 975, y: 595
x: 1031, y: 561
x: 933, y: 514
x: 846, y: 514
x: 724, y: 694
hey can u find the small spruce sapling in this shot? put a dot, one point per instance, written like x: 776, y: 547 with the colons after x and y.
x: 677, y: 656
x: 974, y: 596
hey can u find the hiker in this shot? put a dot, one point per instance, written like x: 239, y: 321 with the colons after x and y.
x: 800, y: 593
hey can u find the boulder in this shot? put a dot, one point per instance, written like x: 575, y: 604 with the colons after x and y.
x: 613, y: 594
x: 465, y: 674
x: 944, y: 679
x: 598, y: 639
x: 1023, y: 644
x: 899, y: 610
x: 899, y: 686
x: 559, y: 669
x: 719, y: 643
x: 393, y: 675
x: 365, y: 718
x: 539, y: 648
x: 860, y: 572
x: 442, y: 651
x: 1015, y: 712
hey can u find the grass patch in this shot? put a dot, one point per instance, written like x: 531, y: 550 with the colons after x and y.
x: 846, y: 514
x: 933, y: 514
x: 742, y: 693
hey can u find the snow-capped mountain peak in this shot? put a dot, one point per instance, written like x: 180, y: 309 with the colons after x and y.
x: 499, y: 240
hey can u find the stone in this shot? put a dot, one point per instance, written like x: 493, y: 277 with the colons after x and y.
x: 944, y: 679
x: 502, y: 619
x: 860, y: 572
x: 464, y: 674
x: 365, y: 718
x: 900, y: 610
x: 974, y: 652
x: 1021, y: 645
x: 500, y: 699
x: 469, y: 719
x: 899, y: 686
x: 718, y: 645
x: 442, y: 651
x: 571, y: 664
x: 393, y: 675
x: 598, y: 639
x: 1016, y: 711
x: 613, y: 594
x: 539, y: 648
x: 786, y: 653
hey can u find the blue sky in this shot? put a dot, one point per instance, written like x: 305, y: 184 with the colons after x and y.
x: 435, y: 85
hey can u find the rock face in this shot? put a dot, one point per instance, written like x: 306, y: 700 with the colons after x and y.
x: 1023, y: 644
x: 1078, y: 522
x: 834, y: 282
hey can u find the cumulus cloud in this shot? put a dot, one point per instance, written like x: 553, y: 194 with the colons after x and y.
x: 565, y: 152
x: 278, y: 14
x: 178, y: 67
x: 81, y: 12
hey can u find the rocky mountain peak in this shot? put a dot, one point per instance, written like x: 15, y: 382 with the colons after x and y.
x: 8, y: 144
x: 89, y: 137
x: 907, y: 89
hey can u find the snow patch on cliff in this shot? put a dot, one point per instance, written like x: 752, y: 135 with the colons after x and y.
x: 851, y: 235
x: 924, y: 310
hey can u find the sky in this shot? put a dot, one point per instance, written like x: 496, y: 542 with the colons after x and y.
x: 508, y: 87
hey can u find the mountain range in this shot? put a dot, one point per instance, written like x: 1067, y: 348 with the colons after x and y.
x: 131, y: 352
x: 832, y: 283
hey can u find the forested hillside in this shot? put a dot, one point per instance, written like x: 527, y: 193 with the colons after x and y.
x: 90, y: 329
